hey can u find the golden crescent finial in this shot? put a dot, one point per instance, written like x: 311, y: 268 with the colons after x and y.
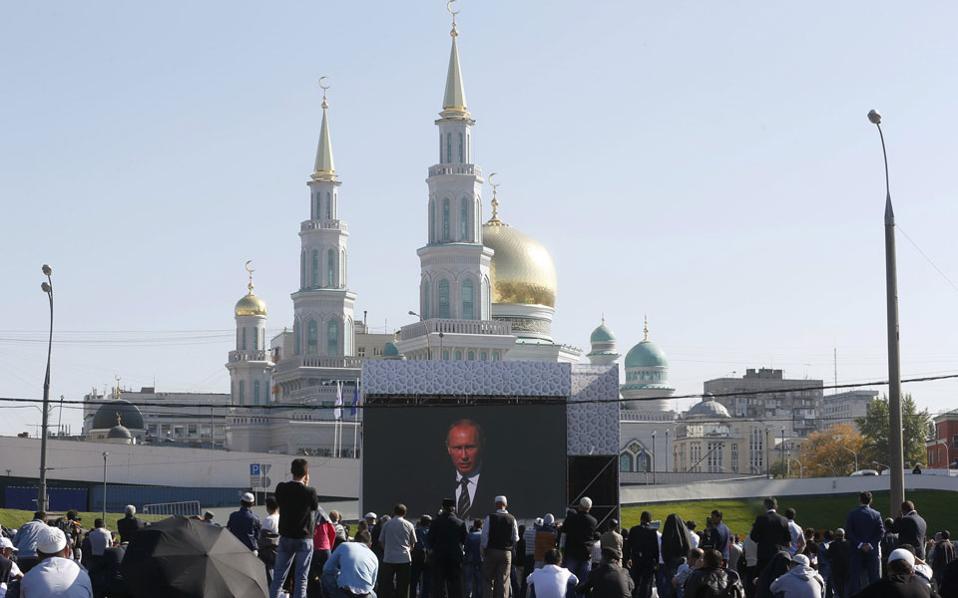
x: 495, y: 200
x: 453, y: 13
x: 249, y: 270
x: 324, y: 86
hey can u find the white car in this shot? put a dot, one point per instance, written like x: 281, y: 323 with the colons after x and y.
x: 862, y: 472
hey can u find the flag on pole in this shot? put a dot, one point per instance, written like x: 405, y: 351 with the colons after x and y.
x: 338, y: 411
x: 355, y: 406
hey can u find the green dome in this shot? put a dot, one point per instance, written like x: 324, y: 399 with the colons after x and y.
x: 646, y: 355
x: 390, y: 350
x: 602, y: 334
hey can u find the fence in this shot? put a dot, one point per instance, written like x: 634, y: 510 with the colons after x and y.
x: 186, y: 508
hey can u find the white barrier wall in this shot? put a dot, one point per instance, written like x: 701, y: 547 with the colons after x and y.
x: 761, y: 487
x: 168, y: 466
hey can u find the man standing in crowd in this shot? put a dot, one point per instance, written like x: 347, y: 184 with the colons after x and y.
x: 642, y: 549
x: 499, y: 536
x: 244, y: 523
x: 711, y: 577
x: 26, y: 540
x: 100, y: 539
x: 352, y: 569
x: 901, y: 581
x: 269, y: 537
x: 552, y: 580
x: 865, y: 530
x: 129, y: 525
x: 839, y: 560
x: 446, y: 540
x: 397, y: 538
x: 771, y: 532
x: 473, y: 566
x: 579, y: 531
x: 721, y: 536
x: 608, y: 579
x: 55, y: 574
x: 912, y: 528
x: 797, y: 542
x: 297, y: 515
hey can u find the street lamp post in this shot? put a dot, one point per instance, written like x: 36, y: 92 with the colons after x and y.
x: 896, y: 457
x: 653, y: 457
x: 105, y: 455
x: 47, y: 288
x: 784, y: 466
x: 845, y: 448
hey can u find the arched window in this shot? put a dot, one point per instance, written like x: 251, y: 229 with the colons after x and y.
x: 625, y: 462
x: 314, y: 269
x: 255, y: 339
x: 448, y: 147
x: 425, y: 299
x: 242, y: 339
x: 464, y: 220
x: 317, y: 206
x: 444, y: 298
x: 297, y: 340
x: 329, y: 207
x: 312, y: 338
x: 256, y: 392
x: 440, y: 148
x: 302, y: 269
x: 472, y: 355
x: 331, y: 268
x: 460, y: 149
x: 342, y: 269
x: 468, y: 148
x: 643, y: 462
x: 458, y: 355
x: 242, y: 392
x: 432, y: 221
x: 332, y: 338
x: 445, y: 219
x: 468, y: 301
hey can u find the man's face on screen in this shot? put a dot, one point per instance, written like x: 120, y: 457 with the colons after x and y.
x: 464, y: 449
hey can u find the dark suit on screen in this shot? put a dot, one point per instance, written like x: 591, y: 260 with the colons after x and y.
x: 487, y: 488
x: 770, y: 532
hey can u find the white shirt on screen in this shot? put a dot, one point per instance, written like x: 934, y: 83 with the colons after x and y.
x: 473, y: 484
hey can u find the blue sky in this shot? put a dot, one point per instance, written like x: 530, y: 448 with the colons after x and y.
x: 709, y: 164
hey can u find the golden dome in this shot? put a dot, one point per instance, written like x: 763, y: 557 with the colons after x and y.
x: 522, y: 270
x: 250, y: 305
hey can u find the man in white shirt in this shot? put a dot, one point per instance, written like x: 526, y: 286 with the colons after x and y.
x: 552, y: 580
x: 795, y: 530
x: 56, y: 575
x: 100, y: 538
x: 397, y: 538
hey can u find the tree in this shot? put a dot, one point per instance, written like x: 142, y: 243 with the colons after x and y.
x: 832, y: 451
x: 874, y: 427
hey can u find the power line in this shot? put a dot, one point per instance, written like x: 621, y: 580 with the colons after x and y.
x: 441, y: 400
x: 927, y: 258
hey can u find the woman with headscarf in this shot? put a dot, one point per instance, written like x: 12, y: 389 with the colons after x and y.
x: 675, y: 546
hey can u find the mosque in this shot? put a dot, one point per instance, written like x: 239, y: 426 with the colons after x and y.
x: 487, y: 292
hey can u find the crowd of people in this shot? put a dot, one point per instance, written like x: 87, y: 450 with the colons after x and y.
x: 307, y: 552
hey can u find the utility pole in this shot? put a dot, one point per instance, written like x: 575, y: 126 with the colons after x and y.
x: 896, y: 457
x: 105, y: 455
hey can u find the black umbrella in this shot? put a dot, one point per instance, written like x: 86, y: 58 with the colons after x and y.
x: 180, y: 558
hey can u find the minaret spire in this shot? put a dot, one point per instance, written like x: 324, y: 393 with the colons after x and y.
x: 454, y: 100
x: 645, y: 330
x: 324, y: 169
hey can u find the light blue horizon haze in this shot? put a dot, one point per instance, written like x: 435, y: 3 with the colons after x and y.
x: 707, y: 164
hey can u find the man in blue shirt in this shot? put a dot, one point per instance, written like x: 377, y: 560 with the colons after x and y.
x: 864, y: 529
x: 720, y: 534
x: 244, y: 523
x: 352, y: 569
x: 26, y: 540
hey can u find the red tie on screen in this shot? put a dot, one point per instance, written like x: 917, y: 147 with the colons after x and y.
x: 464, y: 502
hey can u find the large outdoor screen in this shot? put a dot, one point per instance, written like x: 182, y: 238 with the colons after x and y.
x: 420, y: 454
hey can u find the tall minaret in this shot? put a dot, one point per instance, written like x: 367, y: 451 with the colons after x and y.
x: 323, y: 305
x: 249, y: 363
x: 455, y: 266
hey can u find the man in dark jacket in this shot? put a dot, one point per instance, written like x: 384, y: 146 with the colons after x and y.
x: 579, y: 531
x: 244, y: 523
x: 901, y: 581
x: 129, y: 525
x: 711, y: 580
x: 446, y: 540
x: 770, y: 531
x: 642, y: 548
x: 865, y: 530
x: 911, y: 528
x: 839, y: 557
x: 608, y: 579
